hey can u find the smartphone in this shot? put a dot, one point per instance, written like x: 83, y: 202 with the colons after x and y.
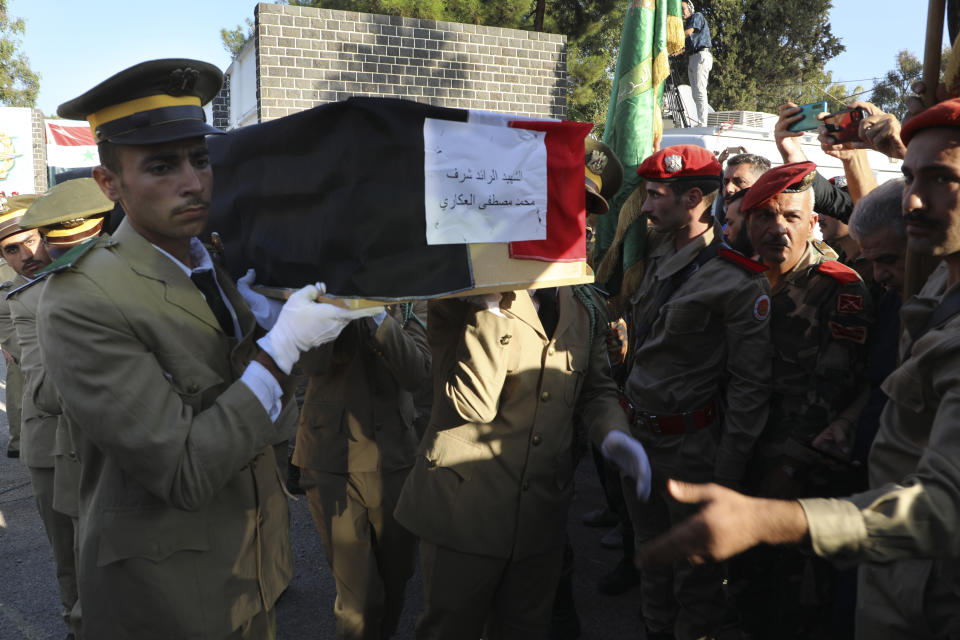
x: 809, y: 120
x: 844, y: 126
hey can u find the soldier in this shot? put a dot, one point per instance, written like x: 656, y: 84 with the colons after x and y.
x: 65, y: 216
x: 735, y: 231
x: 903, y: 529
x: 699, y: 382
x: 490, y: 487
x: 184, y: 524
x: 355, y: 446
x: 24, y: 254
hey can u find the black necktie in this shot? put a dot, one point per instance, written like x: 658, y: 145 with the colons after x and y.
x: 547, y: 299
x: 207, y: 284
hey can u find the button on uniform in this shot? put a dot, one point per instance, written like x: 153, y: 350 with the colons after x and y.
x: 537, y: 439
x: 545, y: 396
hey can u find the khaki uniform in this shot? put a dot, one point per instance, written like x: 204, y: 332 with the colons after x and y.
x: 183, y: 519
x: 709, y: 346
x: 355, y: 446
x: 489, y: 491
x: 14, y: 381
x: 55, y: 478
x: 904, y: 528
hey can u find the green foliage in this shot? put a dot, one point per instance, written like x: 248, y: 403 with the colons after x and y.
x: 889, y: 95
x: 235, y: 39
x: 765, y: 51
x: 19, y: 85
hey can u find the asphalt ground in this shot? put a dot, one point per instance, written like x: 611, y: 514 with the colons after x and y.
x: 30, y: 605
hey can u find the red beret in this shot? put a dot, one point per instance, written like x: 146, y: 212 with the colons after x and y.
x: 942, y: 114
x: 789, y: 178
x: 680, y: 161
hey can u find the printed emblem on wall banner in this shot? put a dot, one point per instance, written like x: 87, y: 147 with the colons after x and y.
x: 761, y: 308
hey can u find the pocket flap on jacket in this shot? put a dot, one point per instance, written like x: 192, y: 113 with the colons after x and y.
x: 152, y: 534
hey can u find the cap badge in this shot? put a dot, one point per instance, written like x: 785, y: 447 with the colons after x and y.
x: 598, y: 161
x: 182, y: 81
x: 673, y: 163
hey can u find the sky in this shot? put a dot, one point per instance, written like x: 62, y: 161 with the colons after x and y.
x: 75, y: 45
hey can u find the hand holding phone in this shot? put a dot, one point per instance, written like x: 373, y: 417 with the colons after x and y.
x: 844, y: 126
x: 809, y: 121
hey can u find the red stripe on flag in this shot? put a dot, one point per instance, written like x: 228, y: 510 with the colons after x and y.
x: 69, y: 135
x: 566, y: 205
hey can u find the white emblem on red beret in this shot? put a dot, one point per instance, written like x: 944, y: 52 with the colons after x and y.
x: 673, y: 163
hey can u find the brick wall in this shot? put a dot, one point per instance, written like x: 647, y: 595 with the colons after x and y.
x: 221, y: 106
x: 308, y: 56
x: 39, y: 151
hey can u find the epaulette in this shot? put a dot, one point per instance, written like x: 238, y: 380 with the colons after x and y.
x: 838, y: 271
x: 742, y: 261
x: 40, y: 277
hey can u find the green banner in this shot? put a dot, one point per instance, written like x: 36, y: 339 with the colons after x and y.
x: 652, y: 30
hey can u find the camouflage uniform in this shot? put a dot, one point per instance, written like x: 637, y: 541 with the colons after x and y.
x: 819, y: 324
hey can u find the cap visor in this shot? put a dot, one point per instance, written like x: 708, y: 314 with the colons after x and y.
x: 166, y: 132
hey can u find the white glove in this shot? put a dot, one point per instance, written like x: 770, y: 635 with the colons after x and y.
x: 304, y: 324
x: 265, y: 310
x: 629, y: 456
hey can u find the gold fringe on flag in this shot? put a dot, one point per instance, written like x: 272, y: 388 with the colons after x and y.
x: 676, y: 39
x: 629, y: 213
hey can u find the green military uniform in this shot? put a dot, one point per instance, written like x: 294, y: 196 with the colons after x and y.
x: 903, y: 530
x: 14, y: 380
x: 700, y: 387
x: 490, y: 487
x: 40, y: 449
x: 183, y: 516
x: 355, y: 445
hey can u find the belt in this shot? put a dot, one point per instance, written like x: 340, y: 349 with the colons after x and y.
x: 702, y: 49
x: 686, y: 422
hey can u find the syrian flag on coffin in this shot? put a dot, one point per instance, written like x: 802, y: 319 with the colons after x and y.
x: 392, y: 199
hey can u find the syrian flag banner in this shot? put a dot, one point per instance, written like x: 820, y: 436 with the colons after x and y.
x: 389, y: 199
x: 70, y: 144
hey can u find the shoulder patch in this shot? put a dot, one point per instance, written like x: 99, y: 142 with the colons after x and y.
x: 839, y: 272
x: 742, y: 261
x: 761, y: 308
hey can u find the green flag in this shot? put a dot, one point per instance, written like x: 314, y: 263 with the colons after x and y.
x: 652, y: 30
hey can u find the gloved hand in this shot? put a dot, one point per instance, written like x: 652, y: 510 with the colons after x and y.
x: 629, y: 456
x: 304, y: 324
x: 265, y: 310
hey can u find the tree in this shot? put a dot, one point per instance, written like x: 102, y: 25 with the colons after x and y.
x: 889, y: 95
x: 765, y: 50
x: 19, y: 85
x: 235, y: 39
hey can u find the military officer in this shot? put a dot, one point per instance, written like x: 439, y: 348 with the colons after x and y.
x: 183, y: 518
x: 490, y: 487
x: 903, y: 529
x: 68, y: 214
x: 23, y: 253
x: 355, y: 446
x: 699, y: 383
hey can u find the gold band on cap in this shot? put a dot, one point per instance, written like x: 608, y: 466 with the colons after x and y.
x: 594, y: 177
x: 12, y: 213
x: 63, y: 236
x: 124, y: 109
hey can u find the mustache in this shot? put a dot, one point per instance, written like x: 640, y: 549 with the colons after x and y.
x: 917, y: 218
x: 190, y: 204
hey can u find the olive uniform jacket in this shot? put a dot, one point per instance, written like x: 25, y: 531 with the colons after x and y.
x: 47, y: 441
x: 903, y: 530
x: 494, y: 472
x: 183, y: 519
x: 39, y: 430
x: 358, y: 411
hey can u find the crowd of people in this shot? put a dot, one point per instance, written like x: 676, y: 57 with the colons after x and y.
x: 763, y: 410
